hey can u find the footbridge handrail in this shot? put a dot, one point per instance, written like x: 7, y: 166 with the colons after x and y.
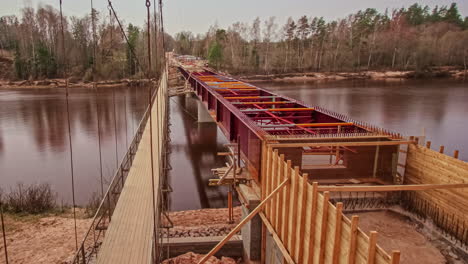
x: 93, y: 237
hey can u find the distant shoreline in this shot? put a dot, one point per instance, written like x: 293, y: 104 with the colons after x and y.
x: 60, y: 83
x: 281, y: 77
x: 364, y: 75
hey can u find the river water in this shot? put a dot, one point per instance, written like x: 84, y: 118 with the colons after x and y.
x: 34, y: 139
x: 435, y: 108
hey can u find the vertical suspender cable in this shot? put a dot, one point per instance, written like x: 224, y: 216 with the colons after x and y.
x: 125, y: 115
x: 69, y: 127
x: 3, y: 231
x: 155, y: 17
x: 162, y: 30
x: 163, y: 57
x: 115, y: 130
x: 93, y: 21
x: 150, y: 105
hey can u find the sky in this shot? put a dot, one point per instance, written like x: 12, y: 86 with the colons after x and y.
x: 198, y: 15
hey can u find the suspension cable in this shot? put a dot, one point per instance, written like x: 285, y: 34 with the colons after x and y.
x: 155, y: 17
x: 162, y: 29
x: 69, y: 127
x: 111, y: 8
x: 165, y: 69
x: 150, y: 105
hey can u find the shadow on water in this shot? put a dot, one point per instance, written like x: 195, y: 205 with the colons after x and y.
x: 194, y: 149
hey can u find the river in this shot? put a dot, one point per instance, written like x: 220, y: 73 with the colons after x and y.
x: 34, y: 139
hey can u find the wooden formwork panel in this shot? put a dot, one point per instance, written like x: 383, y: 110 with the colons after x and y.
x: 311, y: 229
x: 447, y: 208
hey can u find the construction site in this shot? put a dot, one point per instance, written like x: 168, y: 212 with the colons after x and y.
x: 316, y: 186
x: 303, y: 183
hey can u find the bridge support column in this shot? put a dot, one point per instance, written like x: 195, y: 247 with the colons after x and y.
x: 252, y: 231
x: 203, y: 114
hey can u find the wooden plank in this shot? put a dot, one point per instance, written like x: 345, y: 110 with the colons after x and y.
x: 274, y: 180
x: 264, y: 169
x: 243, y: 222
x: 295, y: 181
x: 280, y: 207
x: 277, y: 239
x: 129, y: 235
x: 323, y: 232
x: 313, y: 223
x: 372, y: 247
x: 287, y: 194
x: 391, y: 188
x: 269, y: 179
x: 339, y: 144
x: 304, y: 185
x: 353, y: 239
x: 395, y: 259
x: 338, y: 227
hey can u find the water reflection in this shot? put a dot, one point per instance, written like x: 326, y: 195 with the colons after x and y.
x: 34, y: 136
x: 194, y: 149
x: 34, y: 142
x: 439, y: 107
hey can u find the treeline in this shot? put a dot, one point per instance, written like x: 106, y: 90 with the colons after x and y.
x: 35, y: 40
x: 414, y: 38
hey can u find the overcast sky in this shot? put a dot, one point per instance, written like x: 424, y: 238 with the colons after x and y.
x: 198, y: 15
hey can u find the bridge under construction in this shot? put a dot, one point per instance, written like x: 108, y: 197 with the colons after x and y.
x: 298, y: 170
x: 295, y: 168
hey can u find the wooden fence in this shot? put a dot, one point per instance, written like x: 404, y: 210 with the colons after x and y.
x: 446, y: 208
x: 308, y: 228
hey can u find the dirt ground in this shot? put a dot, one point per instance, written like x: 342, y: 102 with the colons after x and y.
x: 51, y: 238
x: 42, y: 238
x: 398, y: 232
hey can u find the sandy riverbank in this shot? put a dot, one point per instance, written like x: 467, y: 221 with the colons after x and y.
x: 50, y: 238
x: 46, y: 238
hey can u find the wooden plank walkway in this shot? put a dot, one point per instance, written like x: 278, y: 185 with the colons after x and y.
x: 130, y: 233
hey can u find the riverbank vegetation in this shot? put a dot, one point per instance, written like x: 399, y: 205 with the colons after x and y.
x: 414, y: 38
x: 32, y: 47
x: 39, y: 199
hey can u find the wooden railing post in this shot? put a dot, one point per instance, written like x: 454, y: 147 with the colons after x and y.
x: 395, y: 259
x: 279, y: 199
x: 304, y: 185
x: 338, y: 227
x: 323, y: 232
x: 353, y: 239
x: 295, y: 184
x: 372, y: 247
x: 313, y: 223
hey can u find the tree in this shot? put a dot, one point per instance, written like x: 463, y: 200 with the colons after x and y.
x: 133, y: 36
x: 269, y: 32
x: 215, y: 55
